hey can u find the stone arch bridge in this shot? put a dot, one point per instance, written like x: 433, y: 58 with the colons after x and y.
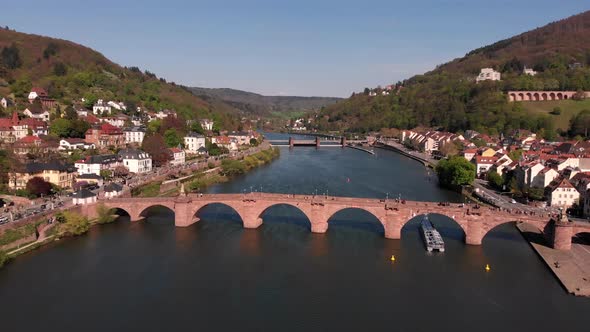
x: 392, y: 214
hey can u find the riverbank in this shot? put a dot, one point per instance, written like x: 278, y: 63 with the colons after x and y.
x: 571, y: 268
x: 392, y: 146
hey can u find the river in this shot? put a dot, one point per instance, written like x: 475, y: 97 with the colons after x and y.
x: 217, y: 276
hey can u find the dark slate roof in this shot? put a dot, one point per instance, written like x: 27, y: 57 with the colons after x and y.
x: 89, y: 176
x: 113, y: 187
x: 49, y: 166
x: 193, y: 134
x: 130, y: 153
x: 83, y: 193
x: 102, y: 159
x: 202, y: 149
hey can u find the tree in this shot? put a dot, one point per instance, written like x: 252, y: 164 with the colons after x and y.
x: 106, y: 174
x: 70, y: 113
x: 105, y: 215
x: 456, y: 171
x: 61, y: 127
x: 50, y: 50
x: 120, y: 171
x: 232, y: 167
x: 10, y: 57
x: 38, y: 187
x: 154, y: 145
x: 495, y: 179
x: 21, y: 87
x: 89, y: 100
x: 580, y: 123
x: 197, y: 128
x: 73, y: 223
x: 253, y: 142
x: 59, y: 69
x: 172, y: 138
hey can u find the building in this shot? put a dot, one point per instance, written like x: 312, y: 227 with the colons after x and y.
x: 483, y: 164
x: 193, y: 142
x: 95, y: 164
x: 242, y: 137
x: 561, y: 193
x: 544, y: 178
x: 134, y: 135
x: 117, y: 105
x: 100, y: 108
x: 90, y: 179
x: 178, y: 157
x: 6, y: 102
x: 43, y: 97
x: 105, y: 135
x: 67, y: 144
x: 112, y: 190
x: 206, y: 124
x: 33, y: 145
x: 488, y: 74
x: 59, y: 174
x: 36, y: 127
x: 37, y: 111
x: 83, y: 197
x: 225, y: 142
x: 529, y: 71
x: 136, y: 161
x: 165, y: 113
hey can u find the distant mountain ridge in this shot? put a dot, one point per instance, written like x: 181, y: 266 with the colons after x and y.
x: 257, y: 104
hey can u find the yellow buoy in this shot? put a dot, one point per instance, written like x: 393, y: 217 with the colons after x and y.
x: 392, y: 258
x: 488, y: 268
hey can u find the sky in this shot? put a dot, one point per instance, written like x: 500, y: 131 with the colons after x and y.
x: 302, y: 47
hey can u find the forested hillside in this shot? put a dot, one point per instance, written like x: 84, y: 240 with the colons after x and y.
x: 256, y: 104
x: 449, y: 99
x: 68, y: 72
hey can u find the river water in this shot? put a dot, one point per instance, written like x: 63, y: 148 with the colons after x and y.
x: 216, y: 276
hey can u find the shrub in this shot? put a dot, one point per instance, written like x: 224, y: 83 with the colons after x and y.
x: 105, y: 215
x: 73, y: 223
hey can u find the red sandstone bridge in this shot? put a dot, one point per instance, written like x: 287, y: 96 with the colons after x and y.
x: 393, y: 215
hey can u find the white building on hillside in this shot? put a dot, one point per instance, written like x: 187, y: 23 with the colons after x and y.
x: 488, y: 74
x: 136, y: 161
x: 194, y: 141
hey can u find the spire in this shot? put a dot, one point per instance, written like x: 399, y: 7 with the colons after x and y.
x: 182, y: 191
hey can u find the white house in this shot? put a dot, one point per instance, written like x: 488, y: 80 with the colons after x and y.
x: 134, y: 135
x: 225, y: 142
x: 529, y: 71
x: 36, y: 112
x: 562, y: 193
x: 483, y: 164
x: 83, y: 196
x: 544, y: 178
x: 488, y: 74
x: 112, y: 190
x: 117, y: 105
x: 206, y: 124
x: 136, y: 161
x: 5, y: 102
x: 193, y: 141
x: 74, y: 143
x: 101, y: 107
x: 95, y: 164
x: 178, y: 157
x: 243, y: 138
x: 165, y: 113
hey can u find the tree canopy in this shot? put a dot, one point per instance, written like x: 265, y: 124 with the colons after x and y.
x: 455, y: 171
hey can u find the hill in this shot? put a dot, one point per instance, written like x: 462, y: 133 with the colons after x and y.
x: 448, y: 97
x: 69, y: 71
x: 256, y: 104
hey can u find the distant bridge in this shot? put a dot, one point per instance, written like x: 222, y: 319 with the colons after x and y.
x: 317, y: 142
x: 392, y: 214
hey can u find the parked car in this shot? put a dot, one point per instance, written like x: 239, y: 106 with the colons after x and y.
x: 4, y: 220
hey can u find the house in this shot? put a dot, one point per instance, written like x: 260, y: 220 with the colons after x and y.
x: 41, y: 94
x: 66, y: 144
x: 134, y: 135
x: 83, y: 197
x: 242, y: 137
x: 202, y: 151
x: 105, y: 135
x: 37, y: 111
x: 206, y: 124
x: 488, y: 74
x: 100, y: 108
x: 526, y: 172
x: 225, y: 142
x: 544, y: 178
x: 178, y: 156
x: 528, y: 71
x: 469, y: 154
x: 90, y: 178
x: 117, y: 105
x: 112, y: 190
x: 97, y: 163
x: 11, y: 129
x: 193, y: 142
x: 116, y: 121
x: 81, y: 111
x: 165, y: 113
x: 502, y: 162
x: 6, y: 102
x: 37, y: 127
x: 561, y: 193
x: 57, y: 173
x: 483, y: 164
x: 136, y: 161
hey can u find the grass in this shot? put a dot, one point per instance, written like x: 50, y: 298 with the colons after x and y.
x: 12, y: 235
x: 148, y: 190
x: 569, y: 108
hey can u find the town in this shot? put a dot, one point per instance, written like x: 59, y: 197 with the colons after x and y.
x: 54, y: 158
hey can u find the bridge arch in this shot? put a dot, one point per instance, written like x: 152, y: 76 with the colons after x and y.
x: 533, y: 230
x: 513, y: 97
x: 581, y: 238
x: 559, y: 96
x: 529, y: 96
x: 520, y: 96
x: 448, y: 226
x: 197, y: 211
x: 376, y: 224
x: 552, y: 96
x: 307, y: 220
x: 166, y: 211
x: 536, y: 96
x: 120, y: 212
x: 544, y: 96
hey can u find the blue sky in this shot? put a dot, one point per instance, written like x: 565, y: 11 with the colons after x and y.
x: 321, y: 47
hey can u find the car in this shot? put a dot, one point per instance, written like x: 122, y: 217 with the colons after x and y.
x: 4, y: 220
x: 513, y: 201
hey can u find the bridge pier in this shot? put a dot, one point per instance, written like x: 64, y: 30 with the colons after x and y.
x: 562, y: 235
x: 317, y: 142
x: 343, y: 141
x: 393, y: 228
x: 474, y: 234
x: 291, y: 142
x: 319, y: 227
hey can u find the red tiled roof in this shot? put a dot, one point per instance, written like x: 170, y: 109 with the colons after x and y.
x: 29, y: 139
